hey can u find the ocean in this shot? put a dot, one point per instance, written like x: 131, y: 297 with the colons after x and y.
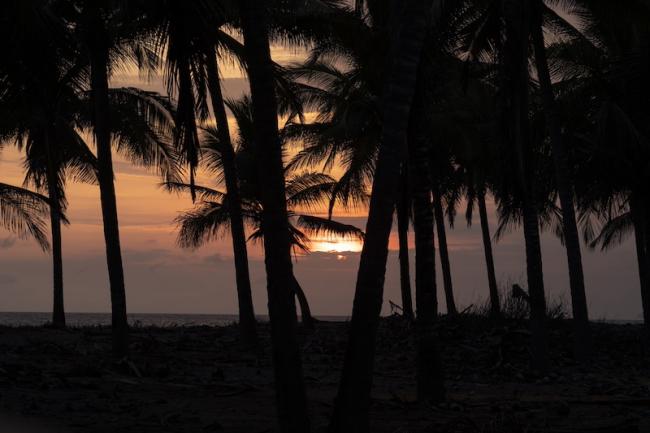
x: 136, y: 319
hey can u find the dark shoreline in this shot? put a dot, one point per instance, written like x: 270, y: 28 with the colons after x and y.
x: 199, y: 379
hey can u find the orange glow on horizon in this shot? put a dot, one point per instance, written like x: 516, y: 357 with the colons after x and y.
x: 336, y: 246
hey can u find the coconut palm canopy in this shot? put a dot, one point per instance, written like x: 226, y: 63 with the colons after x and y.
x: 283, y: 125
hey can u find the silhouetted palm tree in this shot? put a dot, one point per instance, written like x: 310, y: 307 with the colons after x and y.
x: 353, y: 398
x: 471, y: 125
x: 189, y: 37
x: 602, y: 71
x: 439, y: 216
x: 104, y: 35
x: 37, y: 87
x: 428, y: 368
x: 582, y: 333
x: 504, y: 26
x: 403, y: 212
x: 306, y: 191
x: 290, y: 389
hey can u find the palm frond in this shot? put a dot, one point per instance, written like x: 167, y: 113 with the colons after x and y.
x: 318, y: 226
x: 22, y: 212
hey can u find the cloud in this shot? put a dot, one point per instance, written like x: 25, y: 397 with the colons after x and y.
x: 217, y: 258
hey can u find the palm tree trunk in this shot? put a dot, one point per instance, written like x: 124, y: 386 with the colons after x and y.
x: 402, y: 232
x: 429, y: 374
x: 247, y: 323
x: 99, y: 93
x: 58, y: 310
x: 351, y: 408
x: 517, y: 21
x: 308, y: 320
x: 639, y: 219
x: 495, y: 303
x: 581, y: 332
x: 290, y: 389
x: 444, y: 254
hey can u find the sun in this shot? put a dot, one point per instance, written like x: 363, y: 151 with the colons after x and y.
x: 336, y: 246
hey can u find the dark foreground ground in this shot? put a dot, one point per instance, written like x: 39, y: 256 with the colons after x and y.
x: 199, y: 380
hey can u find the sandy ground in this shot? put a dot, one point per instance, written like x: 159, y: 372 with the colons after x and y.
x: 200, y: 380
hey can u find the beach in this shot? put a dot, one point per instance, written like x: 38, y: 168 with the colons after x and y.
x: 200, y: 379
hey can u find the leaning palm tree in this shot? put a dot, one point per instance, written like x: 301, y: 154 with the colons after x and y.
x: 442, y: 188
x: 582, y: 334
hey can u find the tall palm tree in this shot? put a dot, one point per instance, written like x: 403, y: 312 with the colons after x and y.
x: 107, y: 34
x: 96, y: 25
x: 353, y: 398
x: 601, y: 73
x: 502, y: 28
x: 287, y: 363
x: 189, y: 37
x: 582, y: 333
x: 32, y: 96
x: 517, y: 19
x: 246, y: 311
x: 428, y: 368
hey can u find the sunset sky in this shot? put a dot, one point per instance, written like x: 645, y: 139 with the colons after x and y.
x: 160, y: 277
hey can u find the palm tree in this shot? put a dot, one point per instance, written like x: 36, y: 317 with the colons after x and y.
x: 504, y: 26
x: 582, y: 333
x: 353, y: 398
x: 107, y: 34
x: 290, y: 389
x: 49, y: 160
x: 473, y: 130
x: 495, y: 303
x: 403, y: 215
x: 189, y: 37
x: 602, y: 75
x: 430, y: 385
x: 347, y: 130
x: 306, y: 191
x: 95, y: 24
x: 246, y: 311
x: 439, y: 217
x: 33, y: 94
